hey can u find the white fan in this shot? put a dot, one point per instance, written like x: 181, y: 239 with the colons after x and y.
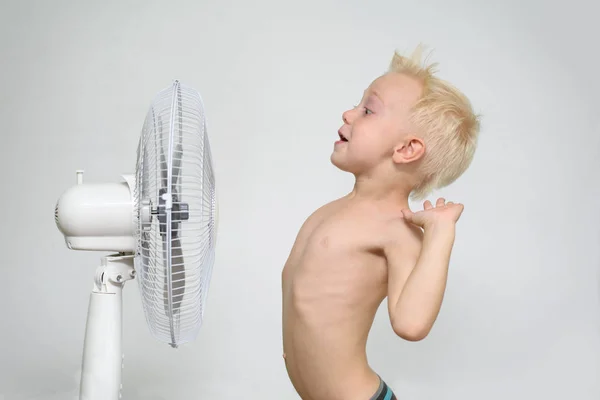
x: 161, y: 224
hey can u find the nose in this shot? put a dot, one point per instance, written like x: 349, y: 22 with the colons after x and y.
x: 346, y: 117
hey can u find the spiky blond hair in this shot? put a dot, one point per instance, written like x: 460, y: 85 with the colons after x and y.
x: 444, y: 119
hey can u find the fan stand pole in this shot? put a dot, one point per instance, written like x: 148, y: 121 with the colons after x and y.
x: 102, y: 350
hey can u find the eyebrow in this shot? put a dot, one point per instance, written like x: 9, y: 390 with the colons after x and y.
x: 376, y: 94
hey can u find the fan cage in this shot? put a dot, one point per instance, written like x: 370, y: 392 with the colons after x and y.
x: 174, y: 267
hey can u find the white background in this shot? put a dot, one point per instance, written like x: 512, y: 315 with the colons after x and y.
x: 521, y: 317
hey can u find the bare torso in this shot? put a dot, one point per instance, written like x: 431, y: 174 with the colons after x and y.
x: 333, y: 283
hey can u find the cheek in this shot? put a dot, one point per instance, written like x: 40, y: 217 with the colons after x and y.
x: 371, y: 135
x: 371, y: 141
x: 366, y: 151
x: 371, y: 127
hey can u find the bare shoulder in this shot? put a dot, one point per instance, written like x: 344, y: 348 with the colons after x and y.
x: 402, y: 236
x: 319, y: 215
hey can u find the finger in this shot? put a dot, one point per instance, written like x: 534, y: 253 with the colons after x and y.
x: 460, y: 208
x: 412, y: 218
x: 427, y: 205
x: 440, y: 202
x: 449, y: 203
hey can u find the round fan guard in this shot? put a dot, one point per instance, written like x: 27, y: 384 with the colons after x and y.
x: 175, y: 215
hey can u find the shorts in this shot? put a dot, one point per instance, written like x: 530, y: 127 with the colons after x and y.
x: 384, y: 392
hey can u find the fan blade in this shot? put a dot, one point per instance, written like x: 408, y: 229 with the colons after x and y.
x: 177, y: 277
x: 145, y: 248
x: 178, y: 274
x: 164, y: 171
x: 178, y: 153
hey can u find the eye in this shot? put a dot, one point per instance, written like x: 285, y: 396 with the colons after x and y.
x: 367, y: 111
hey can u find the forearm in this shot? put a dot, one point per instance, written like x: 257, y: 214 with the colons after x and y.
x: 420, y: 300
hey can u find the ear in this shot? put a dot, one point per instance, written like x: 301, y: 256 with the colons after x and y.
x: 409, y: 150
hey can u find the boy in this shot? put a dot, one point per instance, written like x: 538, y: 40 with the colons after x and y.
x: 411, y: 133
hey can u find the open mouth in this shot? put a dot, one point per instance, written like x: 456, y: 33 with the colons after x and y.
x: 342, y: 137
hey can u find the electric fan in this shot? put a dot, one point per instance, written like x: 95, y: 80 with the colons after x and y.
x: 160, y: 226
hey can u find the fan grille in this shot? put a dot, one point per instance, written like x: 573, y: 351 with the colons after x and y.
x: 174, y: 260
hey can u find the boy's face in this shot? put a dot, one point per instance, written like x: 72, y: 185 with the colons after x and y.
x: 378, y: 129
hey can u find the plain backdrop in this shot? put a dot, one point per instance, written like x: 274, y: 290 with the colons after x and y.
x: 521, y: 317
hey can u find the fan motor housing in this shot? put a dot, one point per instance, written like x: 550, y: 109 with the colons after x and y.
x: 98, y: 217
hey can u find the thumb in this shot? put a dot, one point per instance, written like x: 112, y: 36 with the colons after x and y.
x: 412, y: 217
x: 408, y: 215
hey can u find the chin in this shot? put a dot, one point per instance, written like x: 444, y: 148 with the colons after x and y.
x: 336, y: 161
x: 341, y: 164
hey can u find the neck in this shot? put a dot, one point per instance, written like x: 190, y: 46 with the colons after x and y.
x: 392, y: 191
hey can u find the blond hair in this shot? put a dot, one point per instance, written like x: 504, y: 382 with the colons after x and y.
x: 445, y: 119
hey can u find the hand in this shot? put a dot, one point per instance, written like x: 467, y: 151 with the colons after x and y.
x: 442, y: 213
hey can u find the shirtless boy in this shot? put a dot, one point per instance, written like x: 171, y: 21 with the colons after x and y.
x: 410, y: 134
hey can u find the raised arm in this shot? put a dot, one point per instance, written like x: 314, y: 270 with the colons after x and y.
x: 417, y: 275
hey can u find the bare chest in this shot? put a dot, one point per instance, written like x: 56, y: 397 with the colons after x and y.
x: 343, y: 236
x: 340, y: 270
x: 342, y: 249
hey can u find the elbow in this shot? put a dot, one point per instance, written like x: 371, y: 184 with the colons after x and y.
x: 411, y: 332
